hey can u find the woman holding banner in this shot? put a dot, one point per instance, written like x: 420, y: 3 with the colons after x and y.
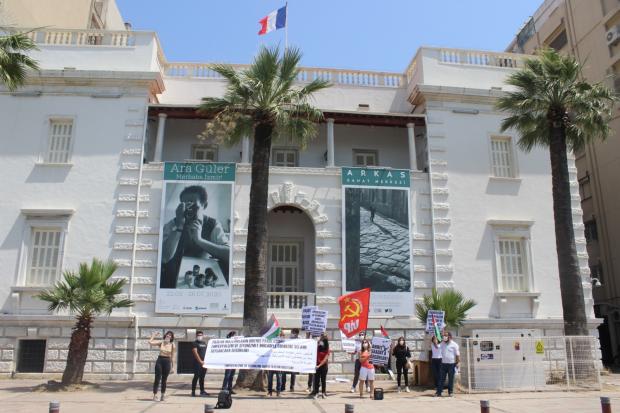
x: 367, y: 370
x: 320, y: 377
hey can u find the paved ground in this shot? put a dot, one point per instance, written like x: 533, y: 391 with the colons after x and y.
x: 123, y: 396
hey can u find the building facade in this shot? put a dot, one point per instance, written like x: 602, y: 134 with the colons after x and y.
x: 588, y: 30
x: 87, y: 138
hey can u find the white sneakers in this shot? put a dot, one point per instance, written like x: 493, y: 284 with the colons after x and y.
x: 155, y: 398
x: 352, y: 389
x: 407, y: 389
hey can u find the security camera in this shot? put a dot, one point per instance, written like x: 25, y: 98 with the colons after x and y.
x: 596, y: 282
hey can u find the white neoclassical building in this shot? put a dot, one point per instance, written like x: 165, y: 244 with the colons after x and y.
x: 84, y: 145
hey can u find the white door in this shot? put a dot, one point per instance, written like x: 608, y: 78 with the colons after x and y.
x: 284, y: 265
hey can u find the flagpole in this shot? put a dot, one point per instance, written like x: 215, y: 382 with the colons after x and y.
x: 286, y: 26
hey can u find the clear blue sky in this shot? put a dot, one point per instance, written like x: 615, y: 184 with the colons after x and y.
x: 350, y: 34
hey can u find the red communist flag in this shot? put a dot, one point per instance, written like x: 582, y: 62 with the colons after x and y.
x: 354, y: 312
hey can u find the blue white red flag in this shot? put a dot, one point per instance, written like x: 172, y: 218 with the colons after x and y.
x: 273, y: 21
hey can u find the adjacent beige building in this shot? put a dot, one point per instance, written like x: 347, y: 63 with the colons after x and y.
x: 65, y: 14
x: 590, y: 30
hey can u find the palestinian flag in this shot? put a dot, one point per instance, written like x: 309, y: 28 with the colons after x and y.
x: 384, y: 333
x: 271, y: 329
x: 436, y: 330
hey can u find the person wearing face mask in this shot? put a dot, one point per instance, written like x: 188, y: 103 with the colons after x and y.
x: 402, y: 354
x: 164, y: 364
x: 356, y: 373
x: 198, y: 351
x: 320, y: 377
x: 450, y: 358
x: 435, y: 359
x: 367, y: 370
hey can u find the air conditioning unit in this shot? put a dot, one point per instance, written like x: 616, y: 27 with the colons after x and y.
x: 613, y: 36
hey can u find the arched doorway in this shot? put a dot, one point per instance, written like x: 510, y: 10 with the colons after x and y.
x: 290, y: 258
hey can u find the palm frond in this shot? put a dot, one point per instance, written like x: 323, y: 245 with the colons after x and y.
x: 14, y: 59
x: 451, y: 301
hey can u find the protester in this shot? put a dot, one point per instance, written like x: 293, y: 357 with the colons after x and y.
x: 402, y: 354
x: 164, y: 364
x: 270, y: 375
x: 294, y: 335
x: 450, y: 358
x: 435, y: 359
x: 367, y: 370
x: 356, y: 375
x: 199, y: 350
x: 320, y: 377
x: 229, y: 374
x: 310, y: 376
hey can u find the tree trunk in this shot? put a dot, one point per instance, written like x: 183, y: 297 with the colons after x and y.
x: 255, y: 301
x: 573, y: 306
x: 78, y: 351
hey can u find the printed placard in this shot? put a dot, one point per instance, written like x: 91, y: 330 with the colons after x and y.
x: 306, y: 313
x: 439, y: 319
x: 257, y: 353
x: 318, y: 322
x: 380, y: 351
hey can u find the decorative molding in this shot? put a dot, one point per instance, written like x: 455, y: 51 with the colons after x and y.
x: 287, y: 194
x: 153, y: 167
x: 522, y: 223
x: 439, y: 176
x: 324, y: 234
x: 128, y: 229
x: 130, y: 213
x: 444, y: 252
x: 438, y: 148
x: 132, y: 152
x: 442, y: 221
x: 133, y: 137
x: 441, y: 191
x: 240, y: 232
x: 239, y: 247
x: 134, y: 122
x: 125, y: 246
x: 441, y: 206
x: 132, y: 198
x: 326, y: 266
x: 443, y: 237
x: 238, y: 264
x: 438, y: 162
x: 325, y: 251
x: 238, y: 298
x: 145, y: 264
x: 325, y: 299
x: 134, y: 182
x: 238, y: 282
x: 130, y: 166
x: 327, y: 283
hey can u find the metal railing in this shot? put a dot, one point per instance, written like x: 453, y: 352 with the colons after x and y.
x: 288, y: 300
x: 529, y: 364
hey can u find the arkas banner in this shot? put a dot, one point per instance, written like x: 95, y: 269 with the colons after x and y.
x: 377, y: 238
x: 294, y: 355
x: 195, y: 260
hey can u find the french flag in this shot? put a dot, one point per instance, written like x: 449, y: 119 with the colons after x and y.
x: 273, y: 21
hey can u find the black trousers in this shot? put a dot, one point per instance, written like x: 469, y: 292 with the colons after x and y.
x: 401, y: 367
x: 356, y: 376
x: 310, y: 381
x: 199, y: 377
x: 320, y: 377
x: 162, y: 370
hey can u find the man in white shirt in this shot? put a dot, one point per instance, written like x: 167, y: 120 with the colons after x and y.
x: 450, y: 358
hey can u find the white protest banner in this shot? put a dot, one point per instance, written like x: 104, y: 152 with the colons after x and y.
x: 306, y: 313
x: 294, y: 355
x: 380, y: 350
x: 318, y: 322
x: 348, y: 344
x: 439, y: 316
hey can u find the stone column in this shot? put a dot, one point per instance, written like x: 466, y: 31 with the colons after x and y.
x: 412, y: 154
x: 330, y: 143
x: 159, y: 140
x: 245, y: 150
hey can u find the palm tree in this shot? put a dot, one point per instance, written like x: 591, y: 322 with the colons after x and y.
x: 87, y: 294
x: 450, y: 301
x: 14, y: 62
x: 262, y: 100
x: 552, y: 108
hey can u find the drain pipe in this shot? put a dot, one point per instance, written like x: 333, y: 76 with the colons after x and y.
x: 132, y: 271
x: 430, y: 186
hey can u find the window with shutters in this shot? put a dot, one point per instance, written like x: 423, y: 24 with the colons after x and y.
x: 204, y: 153
x: 284, y: 157
x: 513, y: 264
x: 60, y: 141
x: 363, y: 157
x: 502, y: 159
x: 44, y: 256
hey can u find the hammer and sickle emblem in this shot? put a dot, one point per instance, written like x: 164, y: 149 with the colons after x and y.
x: 352, y: 309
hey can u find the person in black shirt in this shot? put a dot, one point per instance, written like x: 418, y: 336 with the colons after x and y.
x: 199, y: 351
x: 402, y: 354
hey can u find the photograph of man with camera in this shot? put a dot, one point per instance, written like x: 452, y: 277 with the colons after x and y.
x: 191, y: 240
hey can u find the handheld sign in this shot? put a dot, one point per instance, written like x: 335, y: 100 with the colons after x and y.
x: 439, y: 319
x: 380, y: 351
x: 306, y: 313
x: 318, y: 322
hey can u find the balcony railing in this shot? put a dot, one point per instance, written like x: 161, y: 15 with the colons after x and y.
x: 66, y: 37
x: 478, y: 58
x: 289, y: 301
x: 336, y: 76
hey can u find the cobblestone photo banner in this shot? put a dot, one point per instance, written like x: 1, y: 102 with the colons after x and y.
x: 376, y: 239
x: 195, y: 255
